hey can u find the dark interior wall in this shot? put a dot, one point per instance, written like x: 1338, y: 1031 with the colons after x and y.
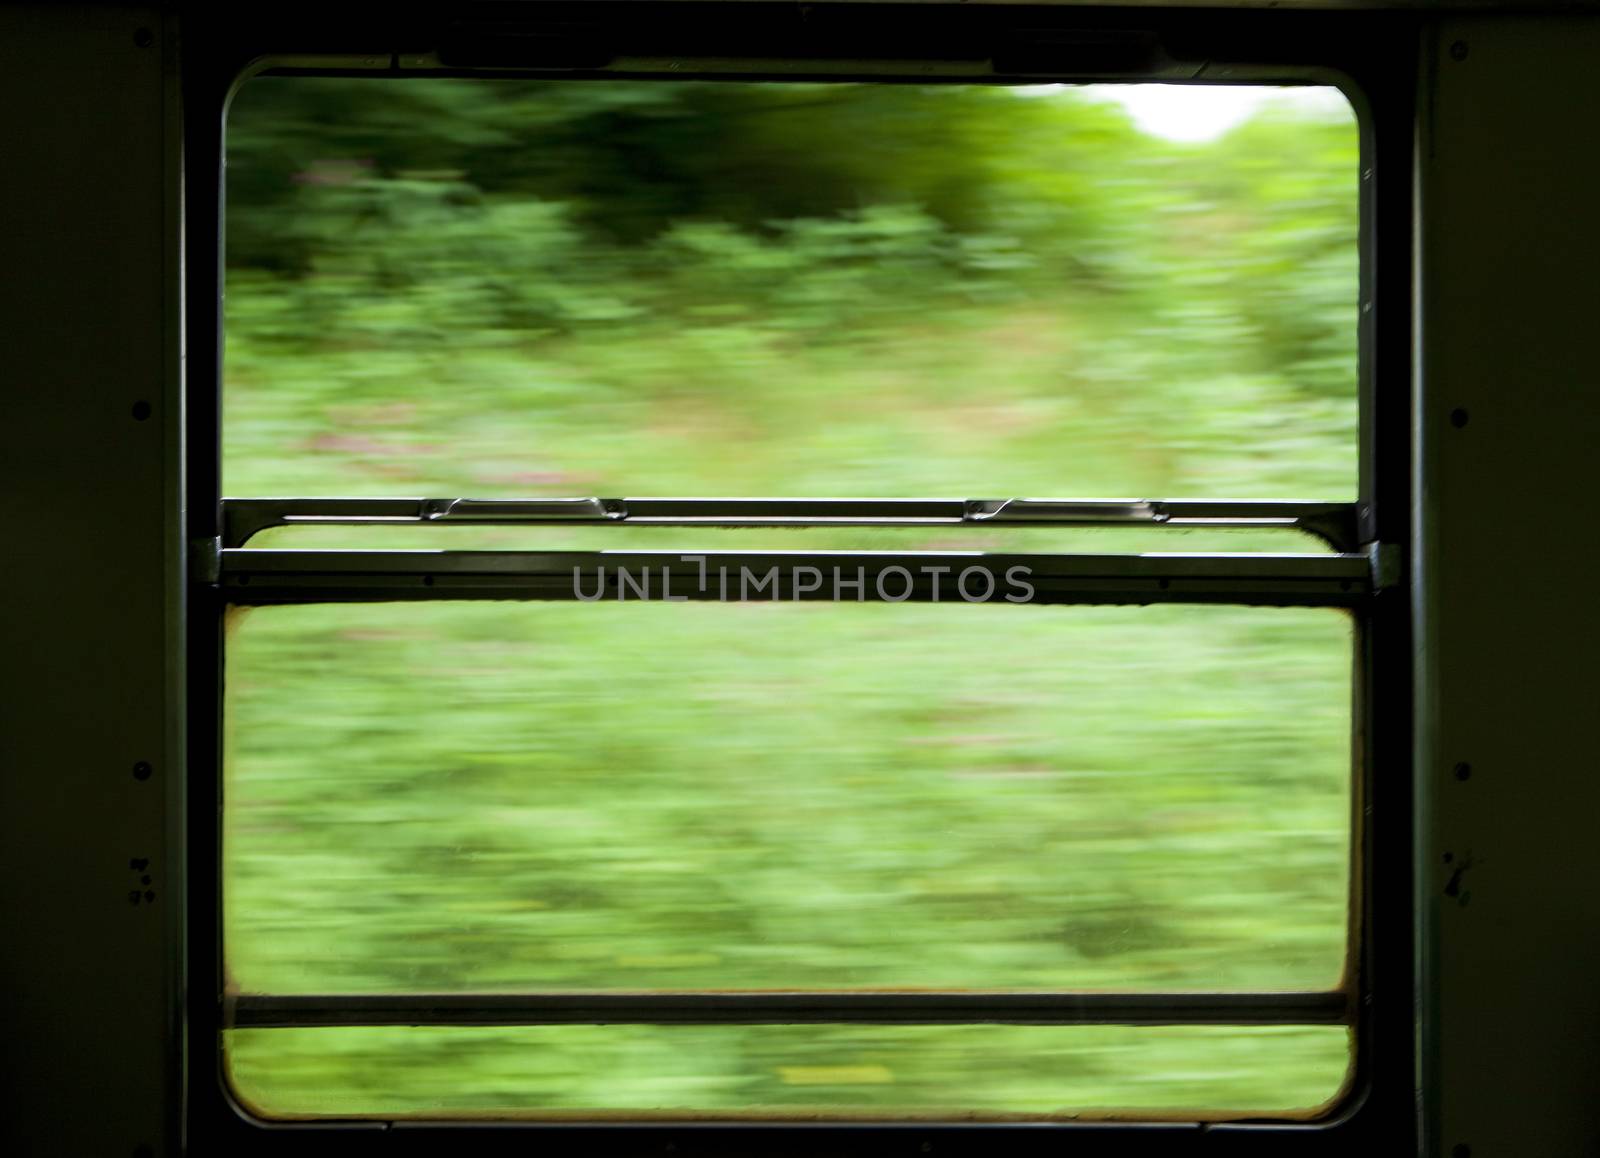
x: 90, y: 465
x: 88, y: 309
x: 1508, y: 418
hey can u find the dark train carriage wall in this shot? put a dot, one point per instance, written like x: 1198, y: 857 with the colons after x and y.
x: 1505, y: 416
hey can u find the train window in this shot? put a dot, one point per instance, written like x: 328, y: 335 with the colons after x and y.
x: 512, y: 289
x: 904, y: 772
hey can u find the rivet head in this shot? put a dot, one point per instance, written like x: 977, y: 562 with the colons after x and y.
x: 143, y: 37
x: 142, y: 770
x: 1458, y: 50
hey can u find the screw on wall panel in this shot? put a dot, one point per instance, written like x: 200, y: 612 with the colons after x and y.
x: 142, y: 770
x: 1458, y: 50
x: 143, y: 37
x: 1461, y: 1150
x: 1463, y: 771
x: 141, y: 411
x: 1459, y: 417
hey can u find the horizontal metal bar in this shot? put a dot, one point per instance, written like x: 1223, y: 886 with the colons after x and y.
x: 1334, y: 523
x: 1309, y: 1008
x: 258, y: 577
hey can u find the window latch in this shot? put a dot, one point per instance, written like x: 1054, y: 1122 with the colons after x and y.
x: 513, y: 510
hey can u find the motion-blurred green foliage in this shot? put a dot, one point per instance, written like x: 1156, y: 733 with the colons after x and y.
x: 477, y: 288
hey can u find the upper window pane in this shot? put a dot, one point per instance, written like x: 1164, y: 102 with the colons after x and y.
x: 509, y: 288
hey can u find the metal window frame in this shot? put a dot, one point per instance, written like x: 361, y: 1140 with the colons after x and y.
x: 1333, y: 523
x: 1371, y: 55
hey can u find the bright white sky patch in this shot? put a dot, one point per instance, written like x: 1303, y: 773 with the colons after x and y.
x: 1198, y: 112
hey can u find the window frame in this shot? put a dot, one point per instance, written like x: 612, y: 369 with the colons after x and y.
x: 1359, y: 51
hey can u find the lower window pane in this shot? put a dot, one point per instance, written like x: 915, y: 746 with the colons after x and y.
x: 449, y: 797
x: 981, y: 1071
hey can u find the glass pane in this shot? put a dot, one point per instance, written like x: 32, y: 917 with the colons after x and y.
x: 503, y: 288
x: 618, y: 796
x: 789, y: 1071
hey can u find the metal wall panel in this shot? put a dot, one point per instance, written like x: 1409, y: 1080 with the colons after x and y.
x: 1509, y: 413
x: 89, y: 462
